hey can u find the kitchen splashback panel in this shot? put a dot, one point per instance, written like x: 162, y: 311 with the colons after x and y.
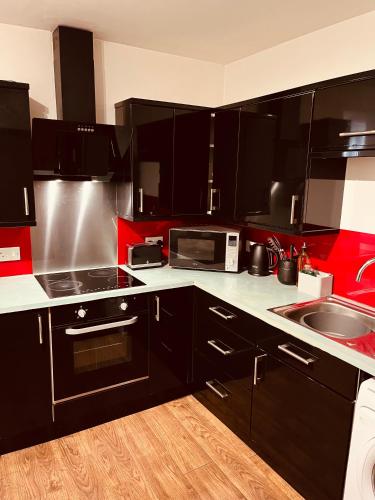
x: 76, y: 226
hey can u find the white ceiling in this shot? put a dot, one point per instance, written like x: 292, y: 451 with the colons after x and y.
x: 215, y: 30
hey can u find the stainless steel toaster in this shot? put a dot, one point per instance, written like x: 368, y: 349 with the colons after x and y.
x: 142, y: 255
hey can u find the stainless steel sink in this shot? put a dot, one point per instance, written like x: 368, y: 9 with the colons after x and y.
x: 331, y: 316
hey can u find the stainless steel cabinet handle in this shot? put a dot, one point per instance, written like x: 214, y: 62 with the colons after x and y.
x: 305, y: 361
x: 295, y: 198
x: 225, y: 352
x: 98, y: 328
x: 157, y: 314
x: 225, y: 316
x: 211, y: 199
x: 40, y: 326
x: 140, y: 190
x: 26, y: 201
x: 210, y: 385
x: 357, y: 134
x: 212, y: 206
x: 256, y: 361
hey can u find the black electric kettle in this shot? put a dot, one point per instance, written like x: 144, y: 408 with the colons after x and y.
x: 262, y: 260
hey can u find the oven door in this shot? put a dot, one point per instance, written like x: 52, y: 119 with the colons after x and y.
x: 197, y: 249
x: 92, y: 356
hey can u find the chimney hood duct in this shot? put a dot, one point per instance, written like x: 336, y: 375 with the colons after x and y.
x: 74, y: 74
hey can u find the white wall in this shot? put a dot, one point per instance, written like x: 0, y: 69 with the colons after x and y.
x: 123, y: 71
x: 120, y: 72
x: 341, y: 49
x: 26, y: 56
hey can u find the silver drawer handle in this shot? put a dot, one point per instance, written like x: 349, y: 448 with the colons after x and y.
x: 293, y: 219
x: 210, y: 385
x: 157, y: 313
x: 140, y: 190
x: 26, y: 201
x: 40, y: 328
x: 225, y: 316
x: 98, y: 328
x: 256, y: 360
x: 305, y: 361
x: 213, y: 344
x: 357, y: 134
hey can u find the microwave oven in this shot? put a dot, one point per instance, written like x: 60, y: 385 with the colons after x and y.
x: 208, y: 248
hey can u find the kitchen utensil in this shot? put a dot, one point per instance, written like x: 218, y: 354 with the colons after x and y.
x: 287, y: 272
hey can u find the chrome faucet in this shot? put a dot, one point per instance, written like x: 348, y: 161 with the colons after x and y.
x: 363, y: 267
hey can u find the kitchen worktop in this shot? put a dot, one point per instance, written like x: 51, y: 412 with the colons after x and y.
x: 254, y: 295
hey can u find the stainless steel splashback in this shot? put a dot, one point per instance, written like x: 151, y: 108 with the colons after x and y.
x: 76, y: 225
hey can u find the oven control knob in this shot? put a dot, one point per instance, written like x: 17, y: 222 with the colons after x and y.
x: 81, y: 313
x: 123, y: 306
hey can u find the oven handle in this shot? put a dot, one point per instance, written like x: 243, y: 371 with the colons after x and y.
x: 98, y: 328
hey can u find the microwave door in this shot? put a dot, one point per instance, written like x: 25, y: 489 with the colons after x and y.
x: 198, y: 250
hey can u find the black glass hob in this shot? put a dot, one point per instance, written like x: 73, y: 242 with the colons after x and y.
x: 86, y: 281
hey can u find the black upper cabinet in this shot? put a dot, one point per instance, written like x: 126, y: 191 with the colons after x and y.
x: 256, y: 159
x: 25, y: 378
x: 344, y: 119
x: 223, y: 171
x: 16, y: 191
x: 292, y: 117
x: 244, y: 149
x: 144, y: 187
x: 152, y: 159
x: 191, y: 161
x: 165, y: 167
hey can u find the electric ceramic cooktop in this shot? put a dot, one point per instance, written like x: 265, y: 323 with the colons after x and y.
x: 86, y: 281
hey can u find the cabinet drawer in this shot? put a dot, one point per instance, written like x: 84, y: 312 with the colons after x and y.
x: 319, y: 365
x: 219, y: 313
x: 226, y: 397
x: 223, y: 348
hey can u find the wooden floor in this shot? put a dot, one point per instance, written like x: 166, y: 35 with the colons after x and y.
x: 177, y: 450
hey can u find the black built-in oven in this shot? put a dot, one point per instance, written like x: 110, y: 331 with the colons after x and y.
x: 98, y: 345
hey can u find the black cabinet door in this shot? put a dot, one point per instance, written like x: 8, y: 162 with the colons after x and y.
x: 340, y: 112
x: 292, y: 117
x: 152, y: 160
x: 25, y: 378
x: 301, y: 428
x: 256, y: 158
x: 226, y: 395
x: 171, y: 339
x: 16, y: 189
x: 225, y: 159
x: 191, y: 161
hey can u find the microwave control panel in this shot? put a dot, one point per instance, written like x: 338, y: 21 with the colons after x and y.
x: 232, y: 252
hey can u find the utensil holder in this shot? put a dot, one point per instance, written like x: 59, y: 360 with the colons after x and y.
x: 317, y: 286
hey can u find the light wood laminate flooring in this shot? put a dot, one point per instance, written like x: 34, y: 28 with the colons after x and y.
x: 174, y: 451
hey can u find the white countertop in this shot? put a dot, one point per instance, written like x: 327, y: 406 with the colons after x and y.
x: 254, y: 295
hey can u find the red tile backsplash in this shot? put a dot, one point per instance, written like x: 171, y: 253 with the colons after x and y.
x: 341, y: 254
x: 135, y: 232
x: 16, y: 237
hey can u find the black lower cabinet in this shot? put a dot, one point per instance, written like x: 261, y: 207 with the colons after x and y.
x: 171, y: 330
x: 226, y: 395
x: 300, y: 427
x: 224, y: 350
x: 25, y: 380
